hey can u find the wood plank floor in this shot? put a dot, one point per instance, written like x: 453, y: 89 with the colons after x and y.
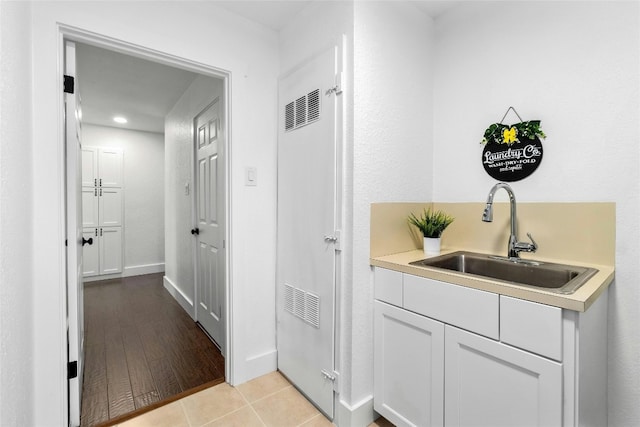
x: 141, y: 348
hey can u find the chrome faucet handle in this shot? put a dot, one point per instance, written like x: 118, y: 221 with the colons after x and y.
x: 526, y: 247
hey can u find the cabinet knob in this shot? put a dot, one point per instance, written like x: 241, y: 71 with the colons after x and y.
x: 89, y: 241
x: 195, y: 231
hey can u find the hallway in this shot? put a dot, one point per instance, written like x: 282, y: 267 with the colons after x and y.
x: 141, y: 348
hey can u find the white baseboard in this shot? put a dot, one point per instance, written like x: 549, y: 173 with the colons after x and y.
x: 134, y: 270
x: 358, y: 415
x: 139, y: 270
x: 179, y: 296
x: 256, y: 366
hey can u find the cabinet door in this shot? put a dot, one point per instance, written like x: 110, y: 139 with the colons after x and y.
x: 408, y: 367
x: 110, y: 207
x: 110, y: 250
x: 89, y: 207
x: 491, y: 384
x: 90, y: 258
x: 110, y: 167
x: 89, y: 167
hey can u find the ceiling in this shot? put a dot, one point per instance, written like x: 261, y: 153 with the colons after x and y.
x: 144, y: 92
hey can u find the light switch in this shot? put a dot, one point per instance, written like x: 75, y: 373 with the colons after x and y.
x: 251, y: 177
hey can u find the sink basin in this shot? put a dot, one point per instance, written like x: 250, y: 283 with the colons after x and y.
x: 558, y: 278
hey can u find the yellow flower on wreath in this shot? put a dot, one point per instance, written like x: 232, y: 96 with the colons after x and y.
x: 509, y: 135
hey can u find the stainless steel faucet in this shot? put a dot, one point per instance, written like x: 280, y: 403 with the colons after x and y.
x: 514, y: 247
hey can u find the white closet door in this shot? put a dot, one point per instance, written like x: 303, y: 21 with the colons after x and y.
x: 89, y: 207
x: 110, y: 207
x: 110, y: 162
x: 89, y: 167
x: 110, y: 250
x: 90, y: 251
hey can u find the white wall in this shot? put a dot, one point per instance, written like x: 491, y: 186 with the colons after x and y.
x: 393, y: 139
x: 143, y: 193
x: 16, y: 214
x: 178, y: 205
x: 575, y: 66
x: 204, y: 34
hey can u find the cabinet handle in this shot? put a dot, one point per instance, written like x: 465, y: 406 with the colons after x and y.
x: 95, y: 182
x: 96, y: 232
x: 95, y: 192
x: 101, y: 192
x: 101, y: 232
x: 100, y: 182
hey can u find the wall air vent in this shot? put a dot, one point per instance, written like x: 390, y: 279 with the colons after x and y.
x: 304, y: 110
x: 304, y: 305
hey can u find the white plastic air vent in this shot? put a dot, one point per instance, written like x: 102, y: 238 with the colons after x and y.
x: 304, y: 110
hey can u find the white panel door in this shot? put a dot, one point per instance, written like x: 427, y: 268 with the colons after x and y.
x: 110, y: 207
x: 90, y: 252
x: 408, y: 385
x: 110, y: 166
x: 210, y: 219
x: 90, y: 207
x: 110, y: 250
x: 73, y: 193
x: 307, y: 238
x: 89, y: 167
x: 488, y: 383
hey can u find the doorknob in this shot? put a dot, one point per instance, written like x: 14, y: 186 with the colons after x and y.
x: 195, y: 231
x: 89, y: 241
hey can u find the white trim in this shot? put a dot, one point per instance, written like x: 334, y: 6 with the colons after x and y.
x: 139, y: 270
x: 257, y: 366
x: 360, y: 414
x: 179, y: 296
x: 67, y: 32
x: 133, y: 270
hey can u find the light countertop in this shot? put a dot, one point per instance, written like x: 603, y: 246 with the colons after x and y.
x: 578, y: 301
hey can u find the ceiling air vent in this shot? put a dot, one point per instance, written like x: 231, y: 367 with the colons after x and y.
x: 304, y: 110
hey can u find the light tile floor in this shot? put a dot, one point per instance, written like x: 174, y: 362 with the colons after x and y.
x: 269, y: 400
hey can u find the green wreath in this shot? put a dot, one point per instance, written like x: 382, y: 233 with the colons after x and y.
x: 499, y: 133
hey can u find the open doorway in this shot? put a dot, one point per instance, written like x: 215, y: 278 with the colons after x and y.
x: 144, y: 273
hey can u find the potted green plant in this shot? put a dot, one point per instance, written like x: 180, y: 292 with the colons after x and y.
x: 431, y: 223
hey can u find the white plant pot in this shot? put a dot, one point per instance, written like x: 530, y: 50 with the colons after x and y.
x: 432, y: 245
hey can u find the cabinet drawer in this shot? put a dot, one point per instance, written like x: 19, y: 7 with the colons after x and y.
x: 388, y: 286
x: 531, y: 326
x: 470, y: 309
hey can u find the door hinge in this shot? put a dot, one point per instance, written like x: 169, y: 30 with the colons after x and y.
x: 66, y: 243
x: 337, y: 89
x: 332, y: 376
x: 72, y: 370
x: 69, y: 85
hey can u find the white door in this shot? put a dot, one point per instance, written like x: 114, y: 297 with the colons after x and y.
x: 307, y: 238
x: 89, y: 167
x: 488, y: 383
x: 408, y: 385
x: 110, y: 166
x: 90, y: 207
x: 210, y: 220
x: 110, y: 206
x: 110, y: 250
x: 90, y: 252
x: 73, y: 192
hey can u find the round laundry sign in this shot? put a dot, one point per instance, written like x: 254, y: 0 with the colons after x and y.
x: 512, y: 162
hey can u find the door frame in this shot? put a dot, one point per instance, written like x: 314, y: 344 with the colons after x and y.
x: 75, y: 34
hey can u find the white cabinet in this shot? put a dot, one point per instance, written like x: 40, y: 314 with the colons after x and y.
x: 102, y: 209
x: 501, y: 362
x: 409, y: 366
x: 489, y: 383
